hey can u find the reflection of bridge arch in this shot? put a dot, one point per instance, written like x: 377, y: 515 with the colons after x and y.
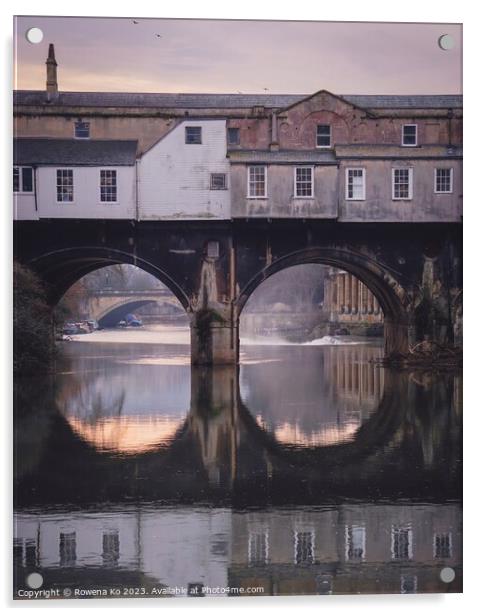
x: 373, y: 434
x: 385, y: 286
x: 219, y: 420
x: 216, y: 449
x: 60, y: 269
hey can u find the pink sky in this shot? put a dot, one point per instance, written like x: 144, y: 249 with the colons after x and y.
x: 102, y: 54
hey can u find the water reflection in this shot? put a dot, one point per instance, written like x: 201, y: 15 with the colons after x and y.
x: 310, y: 470
x: 313, y: 395
x: 340, y: 549
x: 120, y: 402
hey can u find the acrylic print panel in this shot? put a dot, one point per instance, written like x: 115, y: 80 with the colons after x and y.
x: 238, y: 308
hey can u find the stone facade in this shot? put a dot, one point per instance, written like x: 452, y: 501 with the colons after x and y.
x: 277, y: 134
x: 349, y: 304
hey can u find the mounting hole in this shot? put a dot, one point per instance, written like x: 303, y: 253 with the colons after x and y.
x: 446, y: 42
x: 447, y: 575
x: 34, y: 35
x: 34, y: 580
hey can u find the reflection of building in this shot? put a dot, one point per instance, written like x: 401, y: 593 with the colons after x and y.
x: 341, y: 549
x: 319, y: 403
x: 347, y: 301
x: 350, y: 549
x: 174, y: 546
x: 354, y: 376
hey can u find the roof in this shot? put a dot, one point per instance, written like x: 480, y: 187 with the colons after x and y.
x: 228, y: 101
x: 387, y: 151
x: 282, y: 156
x: 93, y: 152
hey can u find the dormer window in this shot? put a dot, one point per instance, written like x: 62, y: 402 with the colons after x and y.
x: 82, y: 130
x: 323, y: 136
x: 409, y: 135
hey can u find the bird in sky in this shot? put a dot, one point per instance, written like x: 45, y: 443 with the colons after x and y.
x: 158, y: 36
x: 135, y: 22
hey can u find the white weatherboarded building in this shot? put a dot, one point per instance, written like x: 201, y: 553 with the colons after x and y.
x: 185, y: 174
x: 74, y: 178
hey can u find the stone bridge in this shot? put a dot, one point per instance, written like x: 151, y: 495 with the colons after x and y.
x: 212, y: 267
x: 110, y: 307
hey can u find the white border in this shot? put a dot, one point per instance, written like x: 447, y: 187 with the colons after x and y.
x: 428, y: 11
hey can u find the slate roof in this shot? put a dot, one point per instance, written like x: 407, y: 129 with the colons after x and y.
x: 227, y: 101
x: 88, y: 152
x: 282, y: 156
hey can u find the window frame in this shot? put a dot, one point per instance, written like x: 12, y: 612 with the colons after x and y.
x: 75, y: 129
x: 57, y: 169
x: 448, y: 534
x: 236, y: 128
x: 350, y: 528
x: 21, y: 190
x: 312, y: 534
x: 409, y: 531
x: 197, y: 128
x: 312, y: 183
x: 104, y: 201
x: 443, y: 192
x: 224, y: 187
x: 409, y: 145
x: 265, y: 195
x: 347, y: 177
x: 403, y: 579
x: 410, y: 183
x: 67, y: 548
x: 330, y: 136
x: 252, y: 543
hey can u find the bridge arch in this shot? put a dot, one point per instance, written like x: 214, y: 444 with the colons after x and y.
x: 393, y: 298
x: 60, y: 269
x: 112, y: 315
x: 108, y: 309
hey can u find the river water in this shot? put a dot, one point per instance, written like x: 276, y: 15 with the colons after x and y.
x: 309, y: 469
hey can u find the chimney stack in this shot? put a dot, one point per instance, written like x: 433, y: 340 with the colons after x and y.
x: 52, y: 86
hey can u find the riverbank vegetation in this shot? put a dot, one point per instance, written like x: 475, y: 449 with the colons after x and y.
x: 34, y: 345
